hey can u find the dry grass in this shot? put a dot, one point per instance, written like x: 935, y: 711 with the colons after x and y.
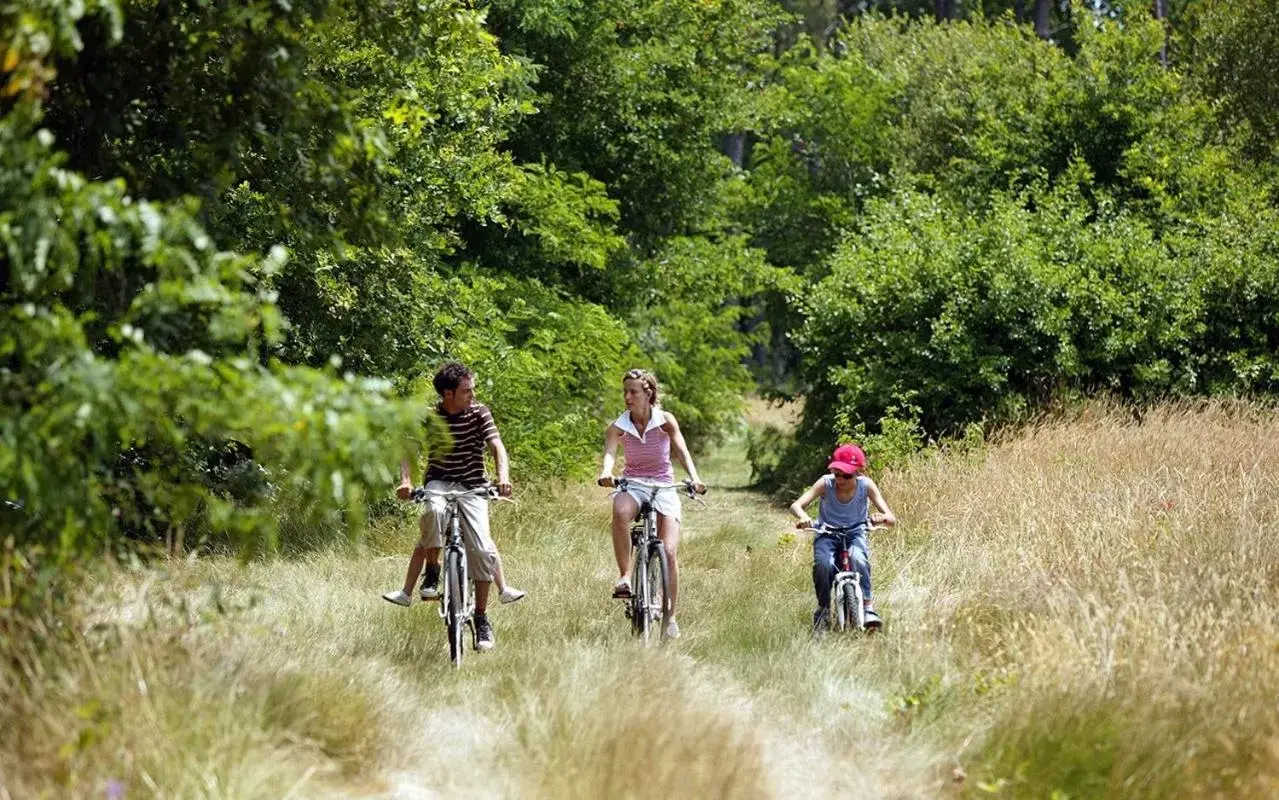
x: 1089, y: 607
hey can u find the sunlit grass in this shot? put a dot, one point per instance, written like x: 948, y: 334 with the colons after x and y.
x: 1087, y: 607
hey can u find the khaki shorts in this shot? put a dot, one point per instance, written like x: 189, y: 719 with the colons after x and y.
x: 481, y: 553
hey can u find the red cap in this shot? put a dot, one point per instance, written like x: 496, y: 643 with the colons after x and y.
x: 847, y: 458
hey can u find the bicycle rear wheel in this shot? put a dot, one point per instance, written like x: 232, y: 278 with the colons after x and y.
x: 455, y: 613
x: 658, y: 586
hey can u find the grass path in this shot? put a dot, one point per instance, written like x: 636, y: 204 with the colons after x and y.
x: 1043, y: 640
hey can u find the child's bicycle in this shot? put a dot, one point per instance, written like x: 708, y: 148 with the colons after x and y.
x: 457, y: 597
x: 847, y: 602
x: 650, y: 568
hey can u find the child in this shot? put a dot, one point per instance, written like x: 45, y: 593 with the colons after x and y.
x: 846, y: 498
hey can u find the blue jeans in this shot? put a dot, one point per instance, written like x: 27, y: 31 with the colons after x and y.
x: 824, y: 569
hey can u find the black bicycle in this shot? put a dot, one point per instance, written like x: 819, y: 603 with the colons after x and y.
x: 650, y: 564
x: 457, y: 599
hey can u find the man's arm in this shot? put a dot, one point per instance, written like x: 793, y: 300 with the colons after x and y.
x: 612, y: 437
x: 815, y: 491
x: 500, y: 460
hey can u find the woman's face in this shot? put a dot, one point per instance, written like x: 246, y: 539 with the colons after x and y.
x: 635, y: 395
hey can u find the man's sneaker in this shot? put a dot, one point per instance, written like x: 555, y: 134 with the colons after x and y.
x: 398, y: 597
x: 821, y: 622
x: 431, y: 583
x: 622, y: 589
x: 483, y: 633
x: 672, y: 629
x: 873, y: 622
x: 510, y: 595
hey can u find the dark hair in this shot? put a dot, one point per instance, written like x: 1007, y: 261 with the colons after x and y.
x: 647, y: 379
x: 448, y: 376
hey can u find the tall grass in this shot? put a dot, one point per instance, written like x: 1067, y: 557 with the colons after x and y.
x: 1087, y: 607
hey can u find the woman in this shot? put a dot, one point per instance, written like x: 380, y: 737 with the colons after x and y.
x: 647, y: 435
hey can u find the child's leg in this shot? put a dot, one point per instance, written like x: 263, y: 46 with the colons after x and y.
x: 860, y: 554
x: 823, y: 568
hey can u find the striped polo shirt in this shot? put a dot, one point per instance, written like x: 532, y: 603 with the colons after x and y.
x: 460, y: 457
x: 647, y: 452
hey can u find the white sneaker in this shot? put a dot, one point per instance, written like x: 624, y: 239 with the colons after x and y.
x: 398, y: 597
x: 672, y: 629
x: 510, y: 595
x: 430, y: 592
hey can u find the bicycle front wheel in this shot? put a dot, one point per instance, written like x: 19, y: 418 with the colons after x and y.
x: 455, y: 614
x: 639, y: 593
x: 851, y: 601
x: 659, y: 586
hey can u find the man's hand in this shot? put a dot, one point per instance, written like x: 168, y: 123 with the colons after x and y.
x: 606, y: 480
x: 404, y: 490
x: 504, y: 487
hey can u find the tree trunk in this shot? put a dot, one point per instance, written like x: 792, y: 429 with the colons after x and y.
x: 1043, y: 9
x: 1161, y: 14
x: 944, y: 9
x: 1019, y: 10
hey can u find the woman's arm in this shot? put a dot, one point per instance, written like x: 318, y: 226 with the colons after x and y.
x: 612, y: 435
x: 885, y: 515
x: 815, y: 491
x: 671, y: 426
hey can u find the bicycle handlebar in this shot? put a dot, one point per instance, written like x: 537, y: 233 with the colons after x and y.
x: 819, y: 527
x: 421, y: 494
x: 689, y: 487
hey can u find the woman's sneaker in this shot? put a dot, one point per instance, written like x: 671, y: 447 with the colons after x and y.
x: 483, y: 633
x: 398, y: 597
x: 510, y: 595
x: 622, y: 589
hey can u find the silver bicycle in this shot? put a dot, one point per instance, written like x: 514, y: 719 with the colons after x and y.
x: 649, y: 602
x: 457, y: 598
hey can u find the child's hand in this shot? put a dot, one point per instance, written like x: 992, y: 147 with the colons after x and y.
x: 804, y: 524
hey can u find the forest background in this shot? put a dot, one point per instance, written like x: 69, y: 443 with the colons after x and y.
x: 236, y: 239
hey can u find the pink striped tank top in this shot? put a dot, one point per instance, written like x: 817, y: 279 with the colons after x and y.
x: 647, y: 453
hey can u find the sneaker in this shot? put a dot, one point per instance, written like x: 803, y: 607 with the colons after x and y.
x: 398, y: 597
x: 873, y: 621
x: 483, y: 633
x: 821, y: 622
x: 510, y: 595
x: 622, y: 589
x: 672, y: 629
x: 431, y: 583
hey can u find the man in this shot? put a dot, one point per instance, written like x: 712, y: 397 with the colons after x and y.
x: 458, y: 464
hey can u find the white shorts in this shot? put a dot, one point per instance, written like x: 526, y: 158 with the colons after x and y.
x: 665, y: 502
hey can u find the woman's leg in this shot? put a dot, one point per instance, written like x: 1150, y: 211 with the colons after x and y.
x: 668, y: 532
x: 624, y: 510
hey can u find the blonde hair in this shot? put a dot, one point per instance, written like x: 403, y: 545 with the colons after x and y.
x: 647, y: 379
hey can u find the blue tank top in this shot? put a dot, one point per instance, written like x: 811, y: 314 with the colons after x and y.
x: 845, y: 515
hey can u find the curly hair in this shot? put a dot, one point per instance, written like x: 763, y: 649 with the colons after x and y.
x: 647, y: 379
x: 448, y: 376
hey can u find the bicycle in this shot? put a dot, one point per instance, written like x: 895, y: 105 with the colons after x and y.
x: 457, y: 598
x: 847, y: 601
x: 650, y: 567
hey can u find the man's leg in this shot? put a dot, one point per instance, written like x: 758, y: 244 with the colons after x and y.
x: 482, y: 561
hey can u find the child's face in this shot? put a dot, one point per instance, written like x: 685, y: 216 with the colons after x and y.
x: 843, y: 478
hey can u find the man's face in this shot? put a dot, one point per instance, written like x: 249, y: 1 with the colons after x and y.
x: 460, y: 398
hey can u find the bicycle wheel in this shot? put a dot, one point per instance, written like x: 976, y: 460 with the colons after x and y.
x: 852, y: 605
x: 455, y: 614
x: 838, y: 608
x: 639, y: 593
x: 658, y: 586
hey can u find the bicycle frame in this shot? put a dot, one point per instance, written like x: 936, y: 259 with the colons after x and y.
x: 848, y: 608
